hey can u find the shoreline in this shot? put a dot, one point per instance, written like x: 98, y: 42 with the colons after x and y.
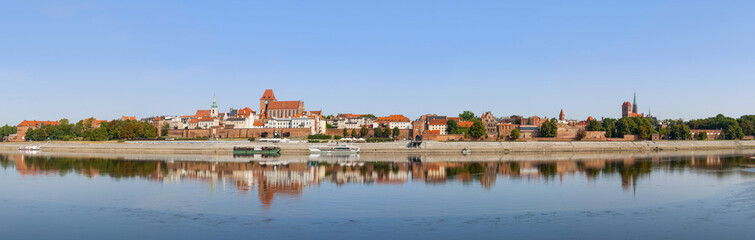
x: 400, y: 147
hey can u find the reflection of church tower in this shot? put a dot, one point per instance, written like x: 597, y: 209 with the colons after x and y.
x: 214, y: 108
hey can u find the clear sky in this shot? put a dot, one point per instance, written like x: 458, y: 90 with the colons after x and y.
x: 75, y: 59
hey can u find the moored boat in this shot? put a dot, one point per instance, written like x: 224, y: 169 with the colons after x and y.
x: 256, y: 150
x: 333, y: 149
x: 30, y: 148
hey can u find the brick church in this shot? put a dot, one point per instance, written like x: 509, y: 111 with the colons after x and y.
x: 270, y: 107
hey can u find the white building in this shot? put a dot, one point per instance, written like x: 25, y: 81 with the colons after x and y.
x: 239, y: 122
x: 439, y: 125
x: 313, y: 122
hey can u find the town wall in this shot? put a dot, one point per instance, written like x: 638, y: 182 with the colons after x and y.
x: 257, y: 132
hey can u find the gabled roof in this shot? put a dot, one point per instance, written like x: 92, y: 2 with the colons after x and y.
x: 393, y: 118
x: 207, y: 119
x: 203, y: 113
x: 268, y: 95
x: 284, y: 105
x: 34, y: 123
x: 245, y: 112
x: 438, y: 122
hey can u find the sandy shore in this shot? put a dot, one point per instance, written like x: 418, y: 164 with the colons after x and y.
x: 427, y: 148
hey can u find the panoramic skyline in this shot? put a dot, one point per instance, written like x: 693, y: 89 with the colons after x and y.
x: 685, y: 59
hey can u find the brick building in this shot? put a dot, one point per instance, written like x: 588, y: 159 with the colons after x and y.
x: 24, y: 126
x: 394, y: 121
x: 270, y: 106
x: 490, y: 122
x: 630, y: 109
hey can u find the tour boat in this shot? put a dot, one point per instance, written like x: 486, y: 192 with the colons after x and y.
x: 256, y: 150
x: 29, y: 148
x: 334, y: 149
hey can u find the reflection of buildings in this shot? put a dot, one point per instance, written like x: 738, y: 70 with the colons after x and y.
x: 275, y: 179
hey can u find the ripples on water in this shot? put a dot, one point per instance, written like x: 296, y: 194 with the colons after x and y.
x: 405, y: 197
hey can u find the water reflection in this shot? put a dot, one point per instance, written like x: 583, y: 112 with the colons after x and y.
x: 281, y: 178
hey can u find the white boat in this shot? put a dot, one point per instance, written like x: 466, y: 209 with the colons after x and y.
x: 29, y: 148
x: 333, y: 149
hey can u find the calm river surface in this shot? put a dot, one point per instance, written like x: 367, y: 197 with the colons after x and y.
x: 685, y: 195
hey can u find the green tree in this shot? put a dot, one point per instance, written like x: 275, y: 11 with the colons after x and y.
x: 364, y: 131
x: 701, y: 135
x: 452, y: 127
x: 7, y: 130
x: 353, y: 133
x: 549, y: 129
x: 345, y: 133
x: 747, y: 123
x: 594, y: 126
x: 477, y: 130
x: 514, y: 134
x: 679, y: 131
x: 164, y: 130
x: 378, y: 132
x: 609, y: 125
x: 733, y: 132
x: 396, y: 132
x: 467, y: 116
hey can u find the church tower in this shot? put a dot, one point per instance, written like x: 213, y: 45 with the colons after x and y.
x: 214, y: 108
x: 267, y: 98
x: 561, y: 116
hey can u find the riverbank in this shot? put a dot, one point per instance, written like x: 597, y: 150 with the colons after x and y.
x: 400, y: 147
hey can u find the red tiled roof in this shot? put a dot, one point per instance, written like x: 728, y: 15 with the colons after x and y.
x: 438, y: 122
x: 393, y: 118
x: 203, y: 113
x: 268, y: 94
x: 284, y: 105
x: 465, y: 124
x: 207, y: 119
x: 33, y: 123
x: 245, y: 112
x: 259, y: 123
x: 318, y: 113
x: 458, y: 119
x: 194, y: 120
x: 124, y: 118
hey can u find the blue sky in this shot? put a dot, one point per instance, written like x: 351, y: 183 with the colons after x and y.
x: 75, y: 59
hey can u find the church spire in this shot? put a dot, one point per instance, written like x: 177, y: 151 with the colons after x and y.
x: 634, y: 103
x: 214, y: 103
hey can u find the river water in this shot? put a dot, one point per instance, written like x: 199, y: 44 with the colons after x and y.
x: 684, y: 195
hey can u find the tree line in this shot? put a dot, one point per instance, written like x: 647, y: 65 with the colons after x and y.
x: 113, y: 130
x: 644, y: 127
x: 7, y: 130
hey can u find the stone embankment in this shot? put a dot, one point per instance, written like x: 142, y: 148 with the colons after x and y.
x: 428, y: 147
